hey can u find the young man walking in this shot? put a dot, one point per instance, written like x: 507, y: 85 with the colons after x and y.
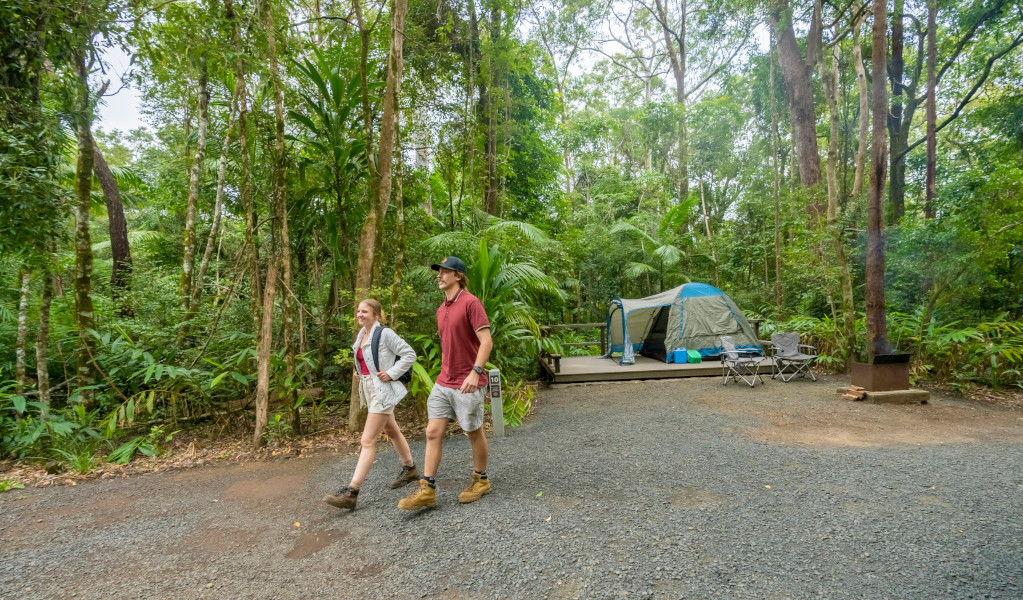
x: 465, y: 346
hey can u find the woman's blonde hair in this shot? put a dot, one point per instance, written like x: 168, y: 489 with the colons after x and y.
x: 378, y: 309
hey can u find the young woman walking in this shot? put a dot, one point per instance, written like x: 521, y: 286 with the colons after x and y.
x: 380, y: 390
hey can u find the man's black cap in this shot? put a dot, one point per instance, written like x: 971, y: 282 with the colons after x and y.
x: 450, y: 262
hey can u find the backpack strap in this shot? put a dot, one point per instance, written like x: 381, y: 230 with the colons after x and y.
x: 375, y: 346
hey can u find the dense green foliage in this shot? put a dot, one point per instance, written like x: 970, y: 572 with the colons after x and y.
x: 565, y: 114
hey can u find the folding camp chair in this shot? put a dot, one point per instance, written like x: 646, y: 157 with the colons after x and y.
x: 739, y: 364
x: 789, y: 353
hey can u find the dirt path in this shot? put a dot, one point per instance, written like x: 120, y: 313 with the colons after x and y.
x: 653, y: 490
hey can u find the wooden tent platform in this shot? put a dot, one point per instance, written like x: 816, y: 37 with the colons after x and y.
x: 575, y: 369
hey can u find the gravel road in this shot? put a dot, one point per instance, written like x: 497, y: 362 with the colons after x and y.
x: 670, y: 489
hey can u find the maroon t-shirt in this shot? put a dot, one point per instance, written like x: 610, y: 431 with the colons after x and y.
x: 458, y: 321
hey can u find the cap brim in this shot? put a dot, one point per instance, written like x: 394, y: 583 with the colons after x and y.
x: 435, y: 267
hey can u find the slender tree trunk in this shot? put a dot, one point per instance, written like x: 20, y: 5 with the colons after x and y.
x: 245, y: 187
x: 218, y: 205
x: 84, y: 315
x: 775, y: 143
x: 678, y: 58
x: 263, y: 348
x: 831, y: 88
x: 864, y: 117
x: 399, y: 233
x: 475, y: 62
x: 328, y: 314
x: 367, y: 107
x: 43, y: 340
x: 829, y: 77
x: 21, y: 345
x: 490, y: 197
x: 897, y: 170
x: 710, y: 238
x: 931, y: 110
x: 120, y: 276
x: 378, y: 208
x: 187, y: 265
x: 877, y: 326
x: 281, y: 216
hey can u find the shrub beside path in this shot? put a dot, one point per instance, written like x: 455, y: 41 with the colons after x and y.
x: 669, y: 489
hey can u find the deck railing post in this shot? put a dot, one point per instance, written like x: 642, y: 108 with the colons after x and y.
x: 603, y: 341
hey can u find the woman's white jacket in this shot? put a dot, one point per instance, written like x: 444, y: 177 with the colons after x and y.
x: 392, y: 348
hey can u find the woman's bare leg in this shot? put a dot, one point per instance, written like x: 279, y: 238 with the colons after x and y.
x: 398, y: 440
x: 374, y: 425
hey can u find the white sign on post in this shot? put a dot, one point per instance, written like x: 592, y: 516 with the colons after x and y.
x: 496, y: 402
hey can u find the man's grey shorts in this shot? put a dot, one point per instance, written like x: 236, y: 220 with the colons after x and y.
x: 449, y: 403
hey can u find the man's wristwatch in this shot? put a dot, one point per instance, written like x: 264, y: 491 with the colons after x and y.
x: 478, y: 369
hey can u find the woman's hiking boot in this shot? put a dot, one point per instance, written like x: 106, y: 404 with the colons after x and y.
x: 407, y: 476
x: 425, y: 496
x: 344, y: 498
x: 477, y: 488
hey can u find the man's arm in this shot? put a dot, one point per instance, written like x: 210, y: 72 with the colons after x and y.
x: 471, y: 383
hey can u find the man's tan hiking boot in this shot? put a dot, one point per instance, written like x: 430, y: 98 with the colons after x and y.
x: 407, y: 476
x: 424, y: 497
x: 476, y: 489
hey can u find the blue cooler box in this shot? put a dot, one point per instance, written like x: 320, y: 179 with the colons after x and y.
x: 679, y: 356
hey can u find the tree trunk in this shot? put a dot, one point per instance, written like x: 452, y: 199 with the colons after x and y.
x: 490, y: 197
x: 120, y: 276
x: 84, y: 314
x: 399, y: 233
x: 263, y: 348
x: 245, y: 188
x: 829, y: 77
x: 281, y: 216
x: 679, y: 60
x: 328, y: 314
x: 185, y: 287
x: 43, y: 340
x: 775, y: 143
x: 218, y: 205
x: 877, y: 326
x: 710, y: 238
x: 24, y: 279
x: 831, y: 92
x: 367, y: 107
x: 931, y: 110
x: 476, y: 73
x: 864, y: 98
x: 897, y: 180
x: 378, y: 208
x: 796, y: 72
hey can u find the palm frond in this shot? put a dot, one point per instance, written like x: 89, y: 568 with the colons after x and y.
x: 531, y: 232
x: 420, y: 275
x: 527, y: 277
x: 669, y: 254
x: 626, y: 227
x: 635, y: 269
x: 136, y: 240
x: 449, y: 241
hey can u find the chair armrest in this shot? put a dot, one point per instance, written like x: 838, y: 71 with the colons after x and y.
x: 749, y: 353
x: 801, y: 346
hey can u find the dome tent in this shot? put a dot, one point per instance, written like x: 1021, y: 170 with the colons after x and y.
x: 693, y: 316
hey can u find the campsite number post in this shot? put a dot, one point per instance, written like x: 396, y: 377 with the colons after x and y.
x: 496, y: 402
